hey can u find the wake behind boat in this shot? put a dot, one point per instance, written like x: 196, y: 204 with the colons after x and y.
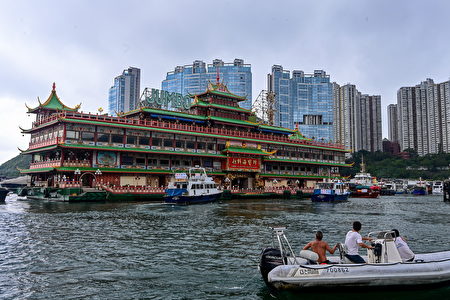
x: 282, y: 269
x: 195, y: 187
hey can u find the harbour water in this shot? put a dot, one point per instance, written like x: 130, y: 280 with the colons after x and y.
x: 141, y: 250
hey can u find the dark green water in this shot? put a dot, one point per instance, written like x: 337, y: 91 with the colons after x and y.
x: 155, y: 251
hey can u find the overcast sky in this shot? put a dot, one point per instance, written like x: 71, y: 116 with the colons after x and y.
x: 82, y: 45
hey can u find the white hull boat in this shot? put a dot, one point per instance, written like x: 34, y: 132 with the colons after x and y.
x: 384, y: 268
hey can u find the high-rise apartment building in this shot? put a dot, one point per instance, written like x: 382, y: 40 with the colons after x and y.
x: 357, y: 123
x: 423, y: 117
x: 124, y: 94
x: 193, y: 79
x: 305, y: 100
x: 392, y: 122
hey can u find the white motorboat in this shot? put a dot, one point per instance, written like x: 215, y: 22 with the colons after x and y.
x: 437, y: 188
x: 192, y: 188
x: 283, y: 270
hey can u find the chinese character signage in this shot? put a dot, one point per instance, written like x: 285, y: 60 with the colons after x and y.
x: 243, y: 163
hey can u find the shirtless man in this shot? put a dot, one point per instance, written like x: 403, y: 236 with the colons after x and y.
x: 320, y: 247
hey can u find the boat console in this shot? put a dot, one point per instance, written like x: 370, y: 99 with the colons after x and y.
x: 384, y: 250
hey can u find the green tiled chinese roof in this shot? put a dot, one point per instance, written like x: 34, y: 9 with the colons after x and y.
x: 227, y: 107
x: 40, y: 170
x: 54, y: 103
x: 298, y: 136
x: 39, y: 149
x: 245, y: 151
x: 214, y: 89
x: 227, y: 120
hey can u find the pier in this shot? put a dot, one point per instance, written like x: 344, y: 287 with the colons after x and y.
x: 447, y: 190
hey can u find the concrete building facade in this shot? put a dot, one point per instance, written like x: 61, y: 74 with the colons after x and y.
x: 423, y: 117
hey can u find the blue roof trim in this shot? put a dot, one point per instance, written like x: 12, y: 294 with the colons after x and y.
x: 175, y: 118
x: 276, y: 131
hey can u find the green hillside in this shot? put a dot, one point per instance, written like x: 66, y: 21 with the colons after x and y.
x: 385, y: 165
x: 9, y: 168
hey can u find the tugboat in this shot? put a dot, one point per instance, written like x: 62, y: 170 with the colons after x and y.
x: 330, y: 192
x: 192, y: 188
x: 362, y: 186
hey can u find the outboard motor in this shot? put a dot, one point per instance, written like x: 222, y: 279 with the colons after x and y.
x: 377, y: 251
x: 270, y: 258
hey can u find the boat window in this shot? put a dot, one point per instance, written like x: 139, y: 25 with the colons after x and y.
x: 201, y: 146
x: 168, y: 143
x: 179, y: 144
x: 140, y: 160
x: 103, y: 137
x: 118, y: 139
x: 156, y: 142
x: 144, y: 140
x: 184, y: 186
x: 131, y: 139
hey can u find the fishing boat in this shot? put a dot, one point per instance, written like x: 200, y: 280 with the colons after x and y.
x: 282, y: 269
x: 362, y: 185
x: 420, y: 188
x: 191, y: 188
x: 333, y: 191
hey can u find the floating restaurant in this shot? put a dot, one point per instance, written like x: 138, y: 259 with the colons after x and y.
x: 144, y: 147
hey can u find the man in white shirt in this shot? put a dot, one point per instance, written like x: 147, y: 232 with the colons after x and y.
x: 353, y: 240
x: 403, y: 249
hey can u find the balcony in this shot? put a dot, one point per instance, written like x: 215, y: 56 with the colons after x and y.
x: 53, y: 163
x: 77, y: 163
x: 45, y: 143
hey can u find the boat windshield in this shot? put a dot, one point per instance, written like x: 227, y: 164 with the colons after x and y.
x: 325, y: 185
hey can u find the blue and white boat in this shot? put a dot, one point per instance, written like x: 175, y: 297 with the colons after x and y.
x: 194, y: 187
x: 330, y: 192
x: 420, y: 189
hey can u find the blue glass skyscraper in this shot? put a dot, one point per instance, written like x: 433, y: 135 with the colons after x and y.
x: 193, y: 79
x: 305, y: 100
x: 124, y: 94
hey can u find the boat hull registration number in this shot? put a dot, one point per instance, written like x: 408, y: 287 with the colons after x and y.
x: 307, y: 272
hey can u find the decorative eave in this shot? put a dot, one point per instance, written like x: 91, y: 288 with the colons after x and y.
x: 45, y: 148
x: 221, y: 89
x: 40, y: 170
x: 52, y: 103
